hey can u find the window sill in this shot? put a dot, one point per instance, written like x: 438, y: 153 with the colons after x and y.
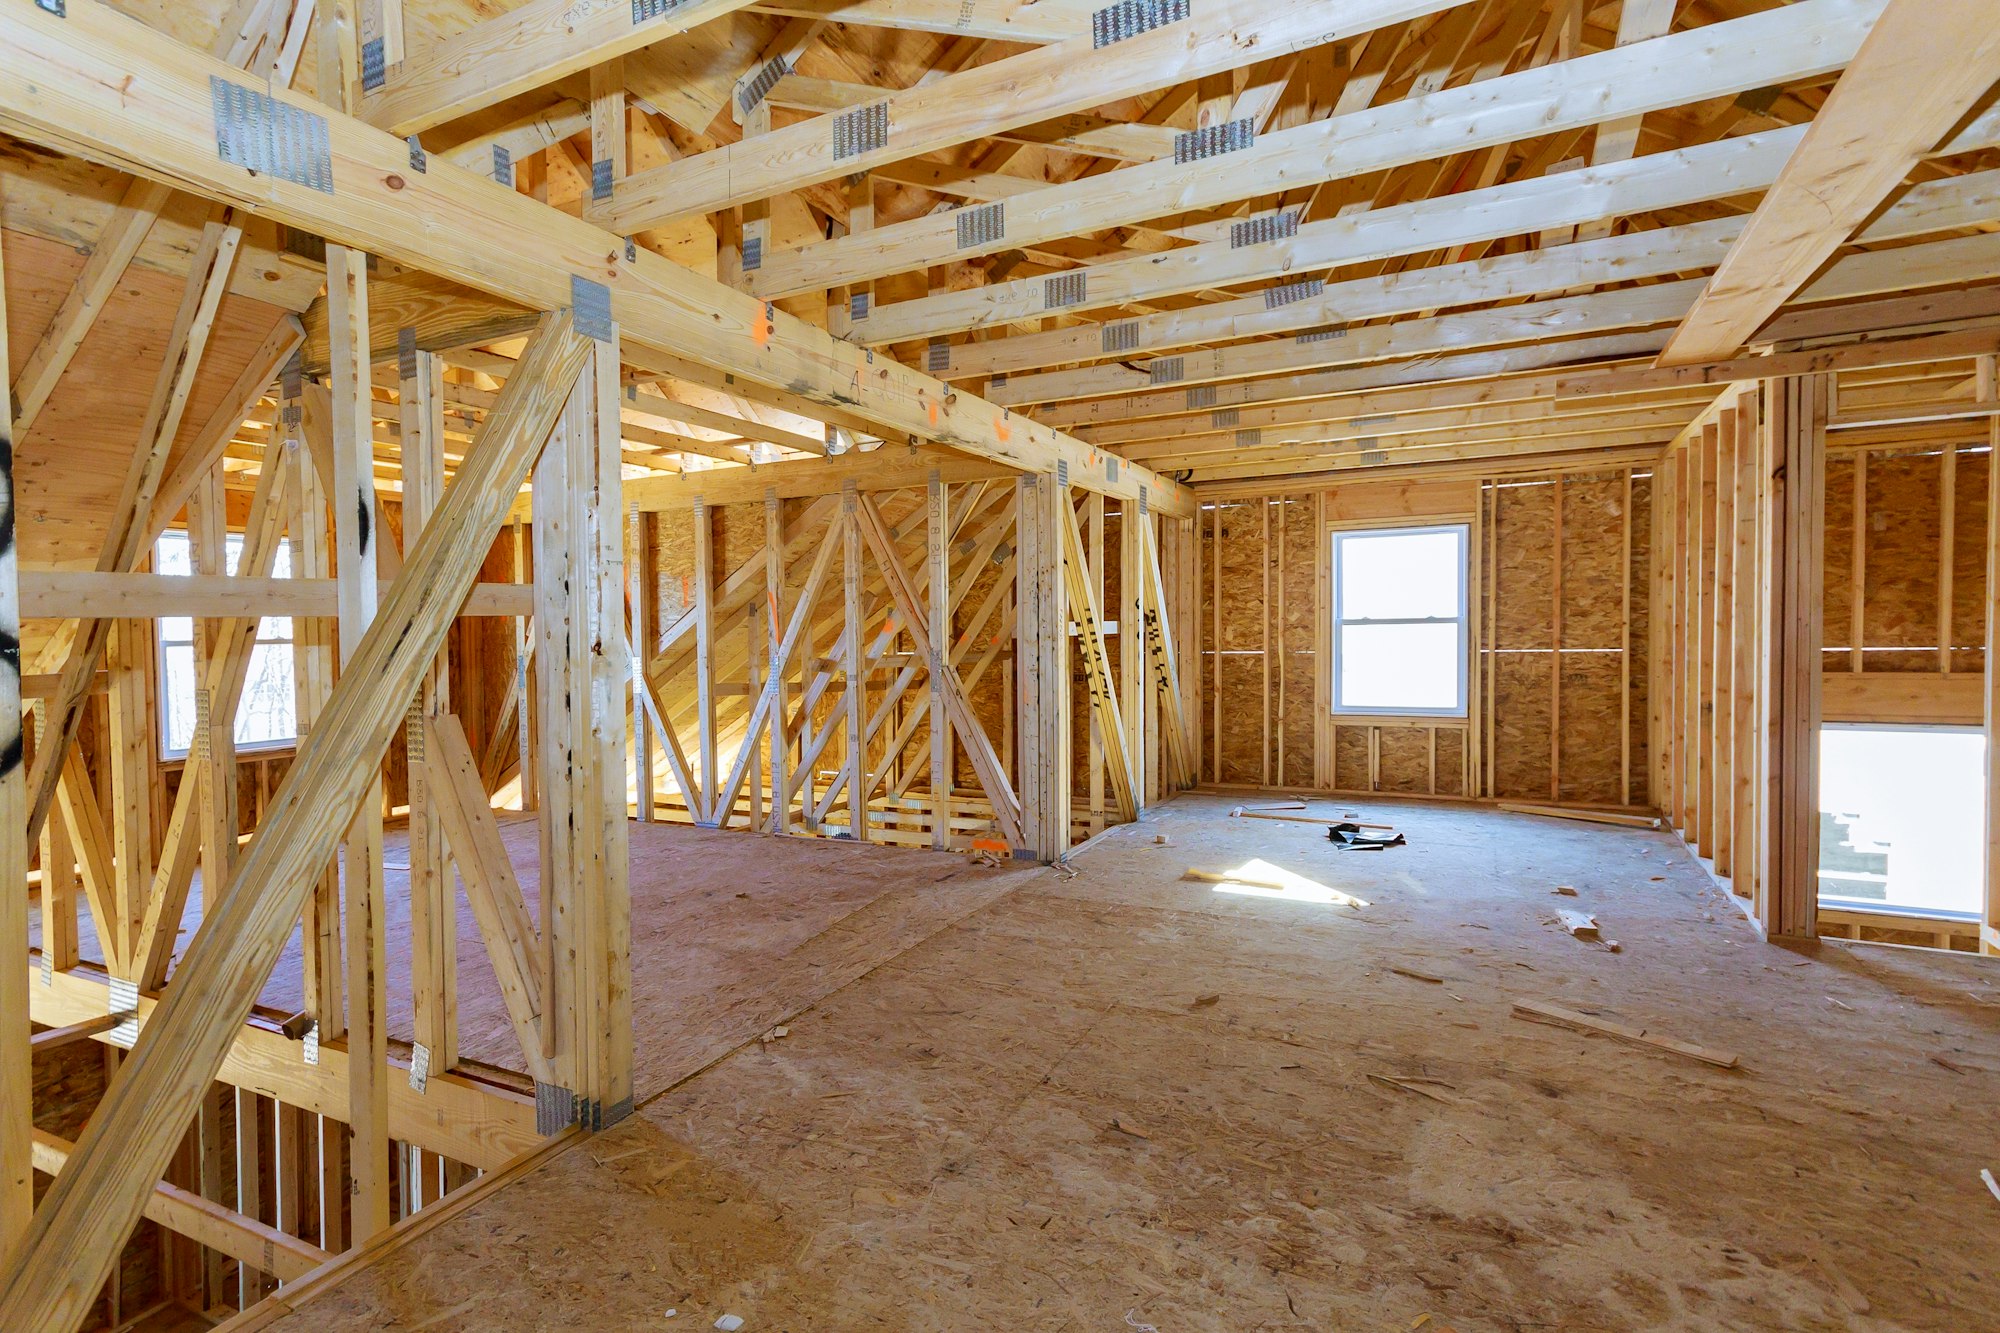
x: 1452, y: 720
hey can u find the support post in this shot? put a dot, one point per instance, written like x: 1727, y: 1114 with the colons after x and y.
x: 937, y: 550
x: 355, y: 535
x: 1795, y: 443
x: 1041, y: 655
x: 433, y: 899
x: 582, y: 658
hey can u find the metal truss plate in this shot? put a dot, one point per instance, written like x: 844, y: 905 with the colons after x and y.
x: 121, y: 1001
x: 1064, y: 289
x: 1291, y: 293
x: 761, y: 85
x: 937, y: 356
x: 858, y: 304
x: 590, y: 303
x: 555, y: 1108
x: 862, y: 130
x: 374, y: 69
x: 983, y: 225
x: 1214, y: 140
x: 259, y: 133
x: 600, y: 180
x: 1121, y: 337
x: 1167, y: 370
x: 1257, y: 231
x: 1202, y: 395
x: 1131, y: 18
x: 753, y: 253
x: 1224, y: 418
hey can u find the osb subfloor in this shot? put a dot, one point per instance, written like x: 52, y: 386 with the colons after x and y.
x: 1125, y: 1100
x: 730, y: 933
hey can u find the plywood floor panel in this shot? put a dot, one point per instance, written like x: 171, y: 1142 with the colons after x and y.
x: 1127, y: 1100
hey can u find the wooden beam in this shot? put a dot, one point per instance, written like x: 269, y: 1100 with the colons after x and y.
x: 244, y: 1239
x: 110, y: 89
x: 528, y: 46
x: 1656, y: 181
x: 1026, y: 21
x: 1037, y: 85
x: 1941, y: 205
x: 67, y: 593
x: 93, y: 1205
x: 1923, y: 66
x: 456, y: 1117
x: 1776, y: 47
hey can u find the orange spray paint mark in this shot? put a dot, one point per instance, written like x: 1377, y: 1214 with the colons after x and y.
x: 760, y: 325
x: 931, y: 410
x: 1001, y: 430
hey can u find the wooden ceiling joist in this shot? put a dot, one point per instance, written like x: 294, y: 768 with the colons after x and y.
x: 1775, y: 47
x: 1069, y: 76
x: 1923, y: 67
x: 103, y: 86
x: 515, y: 52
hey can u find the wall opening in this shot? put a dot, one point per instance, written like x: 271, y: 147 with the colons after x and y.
x: 1902, y: 819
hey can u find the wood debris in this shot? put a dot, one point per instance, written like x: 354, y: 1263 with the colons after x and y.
x: 1538, y: 1011
x: 1582, y: 925
x: 1422, y: 1087
x: 1584, y: 816
x: 1417, y: 976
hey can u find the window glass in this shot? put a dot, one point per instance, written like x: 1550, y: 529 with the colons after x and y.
x: 1399, y: 639
x: 267, y: 714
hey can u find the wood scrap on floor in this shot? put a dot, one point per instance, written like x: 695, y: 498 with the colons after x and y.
x: 1537, y: 1011
x: 1250, y: 812
x: 1582, y: 925
x: 1586, y: 816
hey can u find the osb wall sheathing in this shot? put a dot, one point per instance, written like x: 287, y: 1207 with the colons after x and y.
x: 1899, y: 564
x: 1899, y: 605
x: 1577, y: 738
x: 1569, y: 647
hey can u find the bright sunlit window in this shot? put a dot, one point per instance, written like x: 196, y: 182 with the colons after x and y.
x: 1901, y: 818
x: 268, y: 714
x: 1399, y: 621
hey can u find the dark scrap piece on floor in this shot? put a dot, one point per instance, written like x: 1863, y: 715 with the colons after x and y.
x: 1350, y: 837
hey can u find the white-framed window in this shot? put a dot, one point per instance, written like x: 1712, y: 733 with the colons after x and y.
x: 268, y: 713
x: 1399, y: 634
